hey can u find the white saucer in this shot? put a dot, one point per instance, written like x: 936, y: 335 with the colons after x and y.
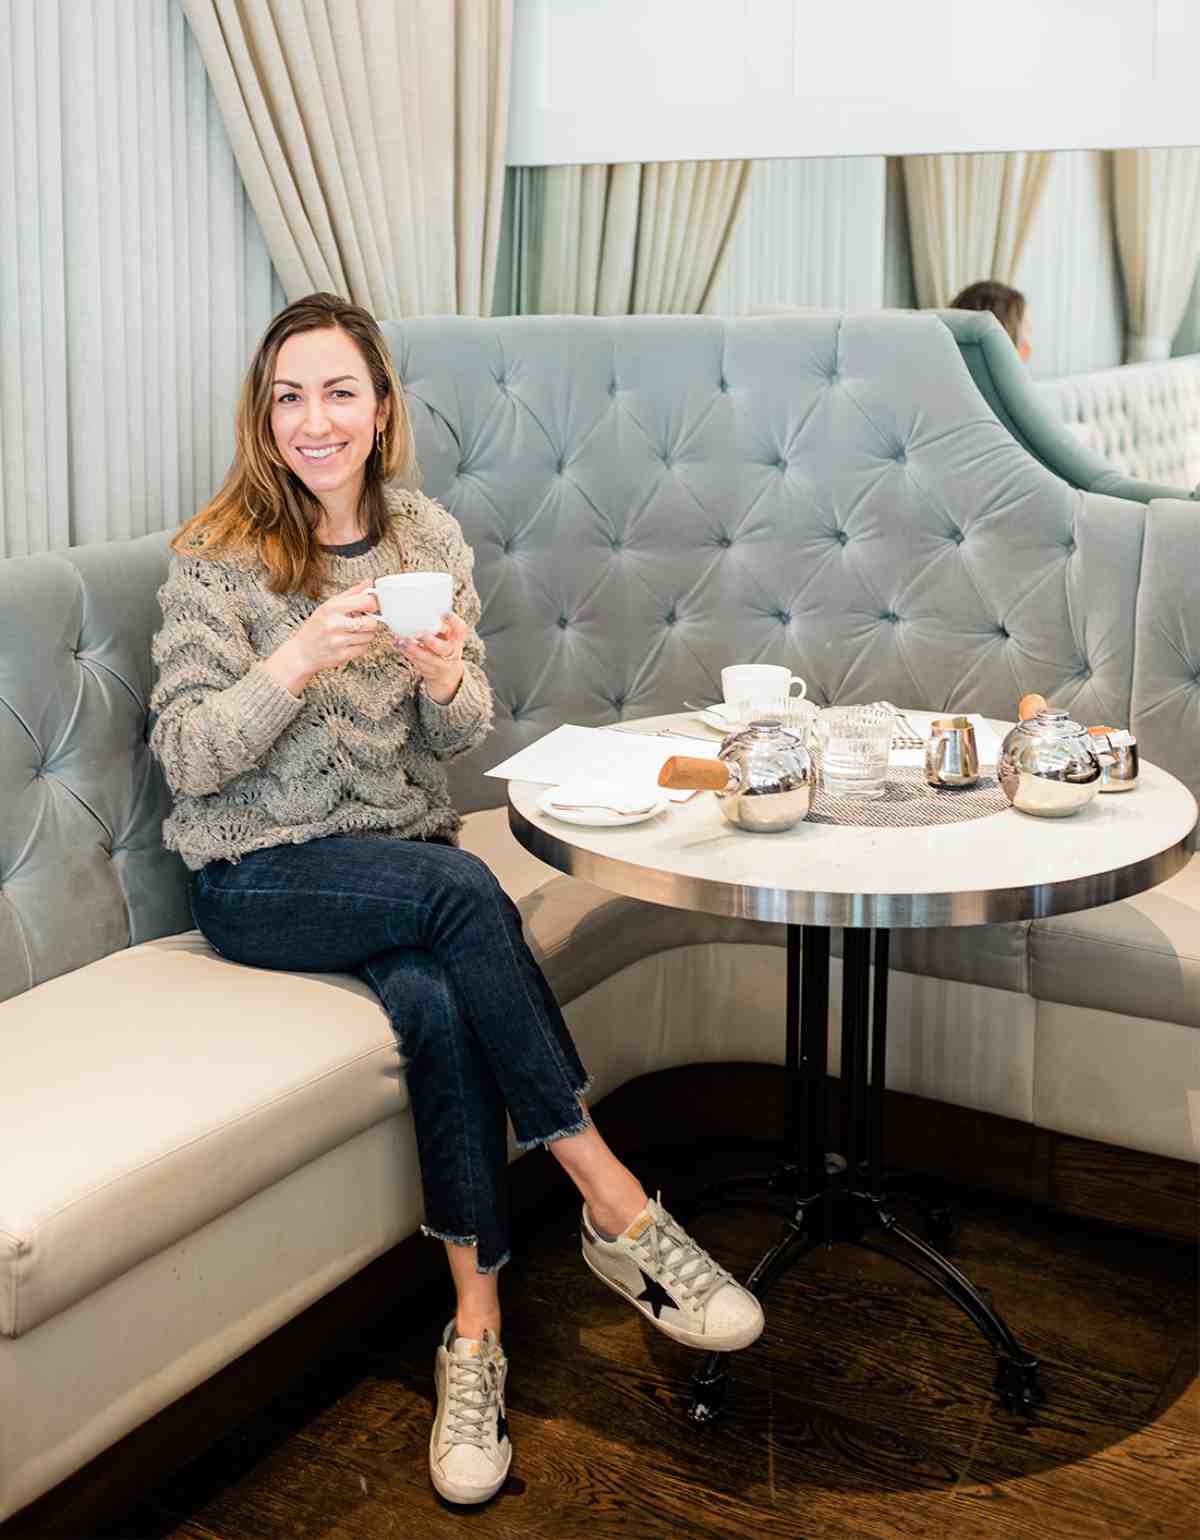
x: 720, y: 718
x: 597, y: 817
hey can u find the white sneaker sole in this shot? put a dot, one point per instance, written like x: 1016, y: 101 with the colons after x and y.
x: 453, y: 1493
x: 708, y: 1342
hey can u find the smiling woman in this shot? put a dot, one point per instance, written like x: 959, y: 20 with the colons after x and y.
x: 327, y: 419
x: 321, y: 429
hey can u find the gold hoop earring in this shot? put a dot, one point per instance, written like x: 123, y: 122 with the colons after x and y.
x: 379, y: 442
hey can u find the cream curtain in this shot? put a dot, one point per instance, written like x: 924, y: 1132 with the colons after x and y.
x: 1157, y: 201
x: 970, y: 217
x: 371, y: 137
x: 631, y: 239
x: 134, y: 280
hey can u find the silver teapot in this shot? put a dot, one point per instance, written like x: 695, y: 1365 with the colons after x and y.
x: 1049, y: 765
x: 763, y: 777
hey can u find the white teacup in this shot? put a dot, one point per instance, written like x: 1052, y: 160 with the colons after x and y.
x: 412, y: 602
x: 766, y: 687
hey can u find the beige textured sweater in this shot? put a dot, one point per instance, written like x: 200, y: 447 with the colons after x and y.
x: 252, y: 765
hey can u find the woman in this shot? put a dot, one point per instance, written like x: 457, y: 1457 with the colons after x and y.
x: 1006, y: 304
x: 304, y: 748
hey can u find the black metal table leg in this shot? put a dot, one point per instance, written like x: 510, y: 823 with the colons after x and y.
x: 826, y: 1196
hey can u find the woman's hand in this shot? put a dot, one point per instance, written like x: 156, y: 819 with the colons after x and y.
x: 437, y: 657
x: 337, y: 631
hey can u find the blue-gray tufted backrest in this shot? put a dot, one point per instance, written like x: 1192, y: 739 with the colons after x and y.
x: 651, y: 498
x: 648, y: 499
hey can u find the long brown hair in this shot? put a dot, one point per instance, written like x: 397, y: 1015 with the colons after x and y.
x: 263, y: 509
x: 1005, y: 303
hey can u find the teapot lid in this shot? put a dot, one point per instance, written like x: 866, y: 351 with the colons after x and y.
x: 1052, y: 722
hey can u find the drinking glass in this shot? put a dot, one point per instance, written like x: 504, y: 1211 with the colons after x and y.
x: 855, y: 744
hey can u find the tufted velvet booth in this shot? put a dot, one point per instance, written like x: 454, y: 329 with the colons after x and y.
x: 1143, y: 419
x: 648, y: 499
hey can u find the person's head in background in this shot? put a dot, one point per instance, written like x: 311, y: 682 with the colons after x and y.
x: 1006, y: 304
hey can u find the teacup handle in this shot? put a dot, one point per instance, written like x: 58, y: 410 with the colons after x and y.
x: 796, y: 679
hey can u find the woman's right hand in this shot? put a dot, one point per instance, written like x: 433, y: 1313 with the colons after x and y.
x: 341, y: 629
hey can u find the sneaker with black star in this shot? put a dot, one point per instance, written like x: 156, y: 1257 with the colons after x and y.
x: 657, y: 1266
x: 469, y: 1448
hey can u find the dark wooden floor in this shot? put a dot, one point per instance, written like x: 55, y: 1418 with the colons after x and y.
x: 865, y: 1410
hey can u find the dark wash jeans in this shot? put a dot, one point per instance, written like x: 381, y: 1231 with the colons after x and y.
x: 439, y: 941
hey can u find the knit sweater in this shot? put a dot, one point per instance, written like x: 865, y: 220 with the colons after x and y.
x: 251, y: 765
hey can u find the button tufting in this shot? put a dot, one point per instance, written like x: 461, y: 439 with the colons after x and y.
x: 900, y: 456
x: 784, y: 617
x: 1002, y: 630
x: 618, y: 545
x: 891, y: 617
x: 563, y: 622
x: 958, y: 537
x: 506, y: 545
x: 559, y: 466
x: 612, y: 387
x: 834, y: 376
x: 781, y: 465
x: 842, y: 537
x: 502, y: 383
x: 723, y: 384
x: 619, y: 702
x: 1069, y: 545
x: 670, y: 617
x: 725, y: 542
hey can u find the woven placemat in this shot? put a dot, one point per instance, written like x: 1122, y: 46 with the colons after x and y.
x: 908, y: 802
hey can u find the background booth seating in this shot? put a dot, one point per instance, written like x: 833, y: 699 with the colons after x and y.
x: 648, y: 499
x: 1131, y: 432
x: 1143, y: 419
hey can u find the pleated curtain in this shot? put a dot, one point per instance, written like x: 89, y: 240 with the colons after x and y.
x: 134, y: 280
x: 970, y: 217
x: 631, y: 239
x: 1156, y: 195
x: 371, y: 136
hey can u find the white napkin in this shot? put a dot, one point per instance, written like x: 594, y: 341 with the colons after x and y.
x: 603, y: 794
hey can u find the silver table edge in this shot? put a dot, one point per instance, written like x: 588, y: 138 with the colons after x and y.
x: 886, y: 911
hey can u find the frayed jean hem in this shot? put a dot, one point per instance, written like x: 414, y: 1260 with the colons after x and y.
x: 569, y: 1132
x: 466, y: 1240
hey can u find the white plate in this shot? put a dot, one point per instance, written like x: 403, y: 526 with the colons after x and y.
x: 596, y: 817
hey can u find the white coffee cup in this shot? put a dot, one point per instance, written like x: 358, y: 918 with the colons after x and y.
x: 413, y: 602
x: 766, y: 682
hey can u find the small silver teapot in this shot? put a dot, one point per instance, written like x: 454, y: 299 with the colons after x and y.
x: 1049, y: 765
x: 763, y: 777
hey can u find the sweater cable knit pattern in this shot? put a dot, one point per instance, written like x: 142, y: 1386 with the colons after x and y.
x: 251, y: 765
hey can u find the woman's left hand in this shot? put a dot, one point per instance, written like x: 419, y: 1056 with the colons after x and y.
x: 437, y: 657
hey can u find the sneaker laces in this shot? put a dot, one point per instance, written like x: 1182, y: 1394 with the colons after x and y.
x: 474, y: 1391
x: 669, y: 1249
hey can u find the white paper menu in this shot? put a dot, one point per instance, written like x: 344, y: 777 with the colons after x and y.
x: 598, y: 753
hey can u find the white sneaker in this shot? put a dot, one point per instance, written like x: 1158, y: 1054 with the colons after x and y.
x: 469, y: 1448
x: 676, y: 1285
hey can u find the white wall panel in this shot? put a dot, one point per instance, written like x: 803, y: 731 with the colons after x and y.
x: 811, y: 233
x: 134, y: 279
x: 1069, y: 272
x: 623, y: 80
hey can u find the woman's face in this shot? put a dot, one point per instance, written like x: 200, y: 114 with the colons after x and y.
x: 324, y: 414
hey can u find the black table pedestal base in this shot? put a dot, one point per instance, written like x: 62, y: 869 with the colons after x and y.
x: 828, y: 1198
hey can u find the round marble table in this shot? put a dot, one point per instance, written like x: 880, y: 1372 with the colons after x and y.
x: 1006, y: 867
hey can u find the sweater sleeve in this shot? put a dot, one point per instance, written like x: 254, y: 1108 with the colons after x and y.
x: 466, y: 719
x: 216, y: 709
